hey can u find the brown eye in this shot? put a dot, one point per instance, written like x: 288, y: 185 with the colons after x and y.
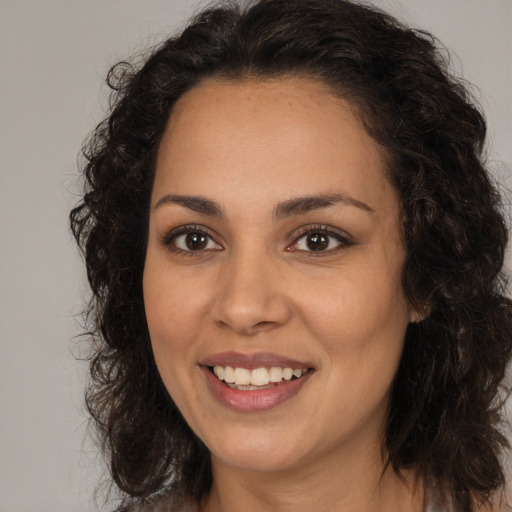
x: 320, y: 240
x: 196, y: 241
x: 317, y: 241
x: 190, y: 239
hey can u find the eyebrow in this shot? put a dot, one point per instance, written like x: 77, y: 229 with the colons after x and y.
x: 295, y: 206
x: 195, y: 203
x: 301, y: 205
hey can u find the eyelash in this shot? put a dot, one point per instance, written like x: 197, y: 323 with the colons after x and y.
x: 169, y: 240
x: 342, y: 239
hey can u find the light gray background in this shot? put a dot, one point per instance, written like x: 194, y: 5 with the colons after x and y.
x: 54, y: 55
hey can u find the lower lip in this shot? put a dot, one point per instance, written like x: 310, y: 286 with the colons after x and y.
x: 254, y: 400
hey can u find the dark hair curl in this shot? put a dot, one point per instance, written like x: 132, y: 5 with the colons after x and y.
x: 445, y: 409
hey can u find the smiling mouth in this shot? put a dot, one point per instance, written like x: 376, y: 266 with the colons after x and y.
x: 256, y: 379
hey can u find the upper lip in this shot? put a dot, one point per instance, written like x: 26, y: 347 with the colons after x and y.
x: 252, y: 361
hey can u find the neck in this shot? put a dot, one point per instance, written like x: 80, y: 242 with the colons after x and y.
x: 354, y: 483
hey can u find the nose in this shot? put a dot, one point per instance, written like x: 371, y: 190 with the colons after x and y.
x: 249, y: 298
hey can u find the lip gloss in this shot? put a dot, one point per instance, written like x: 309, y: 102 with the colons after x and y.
x: 254, y: 400
x: 252, y: 361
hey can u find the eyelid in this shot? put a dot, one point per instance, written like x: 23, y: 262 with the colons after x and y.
x: 169, y: 236
x: 345, y: 239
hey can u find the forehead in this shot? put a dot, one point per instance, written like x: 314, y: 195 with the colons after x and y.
x: 291, y: 133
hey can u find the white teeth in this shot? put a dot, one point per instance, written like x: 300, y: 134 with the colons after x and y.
x: 252, y: 379
x: 287, y: 373
x: 242, y: 376
x: 276, y: 374
x: 219, y: 372
x: 260, y: 377
x: 229, y: 374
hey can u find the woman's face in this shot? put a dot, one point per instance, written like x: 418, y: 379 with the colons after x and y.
x: 274, y: 250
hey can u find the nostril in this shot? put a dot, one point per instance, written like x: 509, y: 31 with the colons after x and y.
x: 263, y: 324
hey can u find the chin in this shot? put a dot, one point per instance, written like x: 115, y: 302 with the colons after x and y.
x: 260, y: 453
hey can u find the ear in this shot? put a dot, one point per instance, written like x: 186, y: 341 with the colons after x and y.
x: 415, y: 317
x: 418, y: 315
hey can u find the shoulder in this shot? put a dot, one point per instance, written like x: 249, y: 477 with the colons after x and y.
x: 499, y: 504
x: 441, y: 503
x: 500, y: 507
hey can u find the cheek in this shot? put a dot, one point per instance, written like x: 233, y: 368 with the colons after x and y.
x: 360, y: 324
x: 174, y: 306
x: 355, y: 306
x: 170, y: 318
x: 167, y: 330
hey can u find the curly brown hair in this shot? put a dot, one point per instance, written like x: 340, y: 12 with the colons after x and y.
x: 445, y: 411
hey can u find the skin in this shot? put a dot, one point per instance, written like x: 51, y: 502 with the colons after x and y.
x: 257, y: 286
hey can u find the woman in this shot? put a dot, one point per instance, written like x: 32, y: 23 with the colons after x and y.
x: 294, y: 250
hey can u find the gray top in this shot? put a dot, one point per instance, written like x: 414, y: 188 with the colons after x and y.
x: 432, y: 505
